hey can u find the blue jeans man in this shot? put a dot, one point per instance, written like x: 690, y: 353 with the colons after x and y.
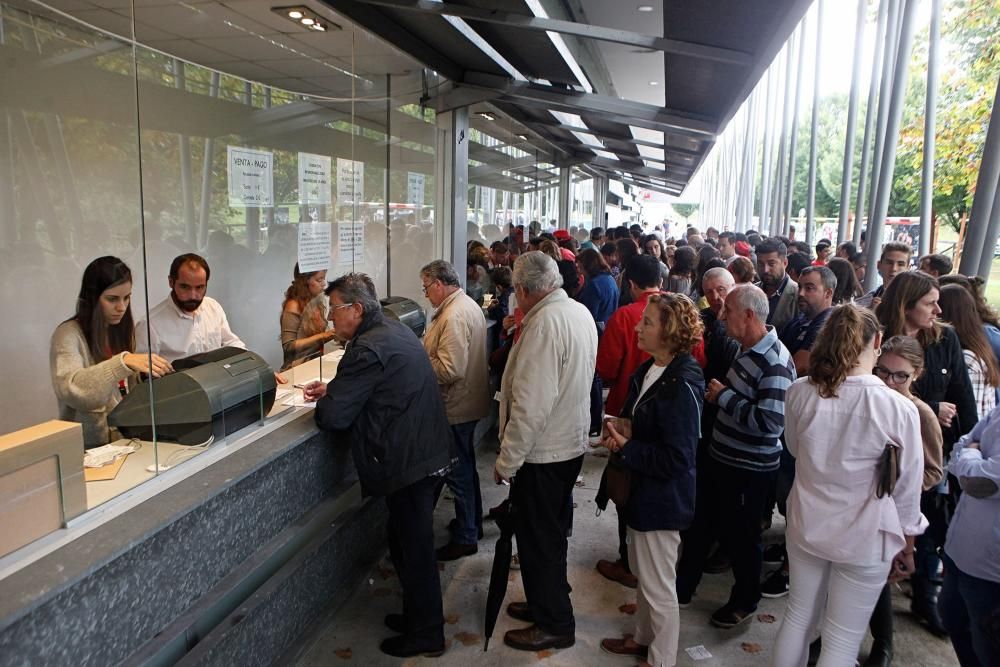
x: 463, y: 481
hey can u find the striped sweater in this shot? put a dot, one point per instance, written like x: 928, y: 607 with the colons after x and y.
x: 751, y: 414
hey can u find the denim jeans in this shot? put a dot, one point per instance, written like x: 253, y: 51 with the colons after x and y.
x: 463, y: 481
x: 969, y: 607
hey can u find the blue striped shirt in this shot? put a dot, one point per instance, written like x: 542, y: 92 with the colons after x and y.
x: 752, y: 406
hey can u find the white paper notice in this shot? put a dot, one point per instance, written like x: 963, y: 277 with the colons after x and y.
x: 351, y: 242
x: 315, y: 239
x: 414, y: 189
x: 251, y: 177
x: 350, y: 179
x: 314, y: 179
x: 698, y: 652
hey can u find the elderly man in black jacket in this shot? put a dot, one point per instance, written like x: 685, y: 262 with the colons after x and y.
x: 385, y: 400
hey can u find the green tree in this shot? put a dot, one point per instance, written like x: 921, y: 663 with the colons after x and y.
x: 685, y: 210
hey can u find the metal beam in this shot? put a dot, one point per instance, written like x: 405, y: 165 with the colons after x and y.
x: 852, y: 122
x: 537, y: 23
x: 930, y: 110
x: 813, y: 128
x: 870, y: 115
x: 616, y: 110
x: 986, y: 192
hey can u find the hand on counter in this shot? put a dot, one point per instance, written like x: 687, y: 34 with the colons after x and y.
x: 314, y: 391
x: 150, y: 364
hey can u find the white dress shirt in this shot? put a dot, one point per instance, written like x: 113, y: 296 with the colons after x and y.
x: 175, y: 333
x: 833, y: 513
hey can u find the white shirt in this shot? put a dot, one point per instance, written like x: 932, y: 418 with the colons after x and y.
x: 833, y: 513
x: 652, y: 375
x: 175, y: 333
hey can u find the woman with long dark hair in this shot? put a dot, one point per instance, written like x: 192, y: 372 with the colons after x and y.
x: 987, y: 314
x: 304, y: 326
x: 599, y: 293
x: 959, y: 310
x: 848, y: 288
x: 92, y: 354
x: 910, y: 307
x: 652, y: 246
x: 843, y: 539
x: 681, y: 278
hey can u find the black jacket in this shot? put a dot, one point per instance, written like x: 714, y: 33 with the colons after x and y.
x: 661, y: 453
x: 385, y: 398
x: 945, y: 378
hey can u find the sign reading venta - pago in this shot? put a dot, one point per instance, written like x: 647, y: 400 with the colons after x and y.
x: 251, y: 177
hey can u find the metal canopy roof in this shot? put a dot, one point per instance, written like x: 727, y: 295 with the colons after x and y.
x: 501, y: 53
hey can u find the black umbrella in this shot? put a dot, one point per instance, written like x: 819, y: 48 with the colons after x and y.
x: 501, y: 570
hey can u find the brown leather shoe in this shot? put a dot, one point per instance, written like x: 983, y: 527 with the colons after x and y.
x: 622, y: 647
x: 520, y: 611
x: 616, y: 572
x: 533, y: 638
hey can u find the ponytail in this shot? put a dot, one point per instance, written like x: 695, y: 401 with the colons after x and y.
x: 840, y: 343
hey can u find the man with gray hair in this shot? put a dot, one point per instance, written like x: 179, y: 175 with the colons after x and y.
x: 456, y: 344
x: 742, y: 457
x: 544, y: 416
x: 385, y: 401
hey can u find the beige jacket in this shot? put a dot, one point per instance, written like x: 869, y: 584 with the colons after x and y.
x: 456, y: 344
x: 87, y: 391
x: 545, y: 392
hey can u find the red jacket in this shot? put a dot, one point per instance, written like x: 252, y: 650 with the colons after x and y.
x: 618, y: 354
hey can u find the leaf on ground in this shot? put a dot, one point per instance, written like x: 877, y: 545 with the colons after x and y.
x: 451, y: 619
x: 344, y: 653
x: 541, y: 655
x: 467, y: 638
x: 627, y: 608
x: 766, y: 618
x: 381, y: 592
x: 751, y: 647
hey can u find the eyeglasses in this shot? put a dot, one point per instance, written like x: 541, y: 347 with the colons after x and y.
x: 338, y: 306
x: 427, y: 286
x: 897, y: 377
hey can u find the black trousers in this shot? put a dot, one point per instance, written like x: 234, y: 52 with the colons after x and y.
x: 411, y: 547
x: 541, y: 495
x: 728, y: 509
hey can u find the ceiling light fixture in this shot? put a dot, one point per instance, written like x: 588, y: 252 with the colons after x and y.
x: 304, y: 17
x: 645, y: 8
x: 654, y: 83
x: 487, y: 115
x: 522, y: 137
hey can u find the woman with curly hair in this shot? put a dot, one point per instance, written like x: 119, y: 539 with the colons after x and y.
x: 304, y: 327
x: 656, y: 439
x: 843, y: 537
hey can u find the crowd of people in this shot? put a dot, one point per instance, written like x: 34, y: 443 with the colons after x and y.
x: 726, y: 375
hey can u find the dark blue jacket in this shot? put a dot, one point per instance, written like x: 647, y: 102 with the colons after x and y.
x: 666, y: 424
x: 385, y: 399
x: 600, y: 296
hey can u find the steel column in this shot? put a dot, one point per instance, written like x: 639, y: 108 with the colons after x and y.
x: 852, y: 122
x: 982, y: 204
x: 873, y: 246
x: 870, y: 115
x: 986, y: 259
x: 451, y: 185
x: 930, y: 110
x: 765, y: 163
x: 779, y: 203
x: 811, y: 196
x: 790, y: 195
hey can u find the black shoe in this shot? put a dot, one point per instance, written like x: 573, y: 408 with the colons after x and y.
x: 533, y: 638
x: 776, y: 585
x: 925, y: 608
x: 880, y: 655
x: 395, y: 622
x: 404, y: 647
x: 453, y: 528
x: 729, y: 617
x: 453, y: 551
x: 520, y: 611
x: 774, y: 554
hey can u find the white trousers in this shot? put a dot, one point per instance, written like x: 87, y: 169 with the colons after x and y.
x: 838, y: 595
x: 652, y: 555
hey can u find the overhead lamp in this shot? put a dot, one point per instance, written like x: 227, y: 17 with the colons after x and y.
x: 487, y: 115
x: 645, y: 8
x: 522, y: 137
x: 654, y: 83
x: 305, y: 18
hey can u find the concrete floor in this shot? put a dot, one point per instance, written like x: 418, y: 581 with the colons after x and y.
x: 351, y: 635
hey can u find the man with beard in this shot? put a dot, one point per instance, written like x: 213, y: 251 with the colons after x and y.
x: 186, y: 322
x: 782, y: 292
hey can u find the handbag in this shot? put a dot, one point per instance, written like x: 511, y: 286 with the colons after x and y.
x: 619, y: 480
x: 887, y: 471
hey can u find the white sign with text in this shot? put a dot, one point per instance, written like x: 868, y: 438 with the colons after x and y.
x: 415, y: 189
x: 351, y: 244
x: 350, y: 180
x: 251, y: 177
x: 314, y: 179
x: 315, y: 239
